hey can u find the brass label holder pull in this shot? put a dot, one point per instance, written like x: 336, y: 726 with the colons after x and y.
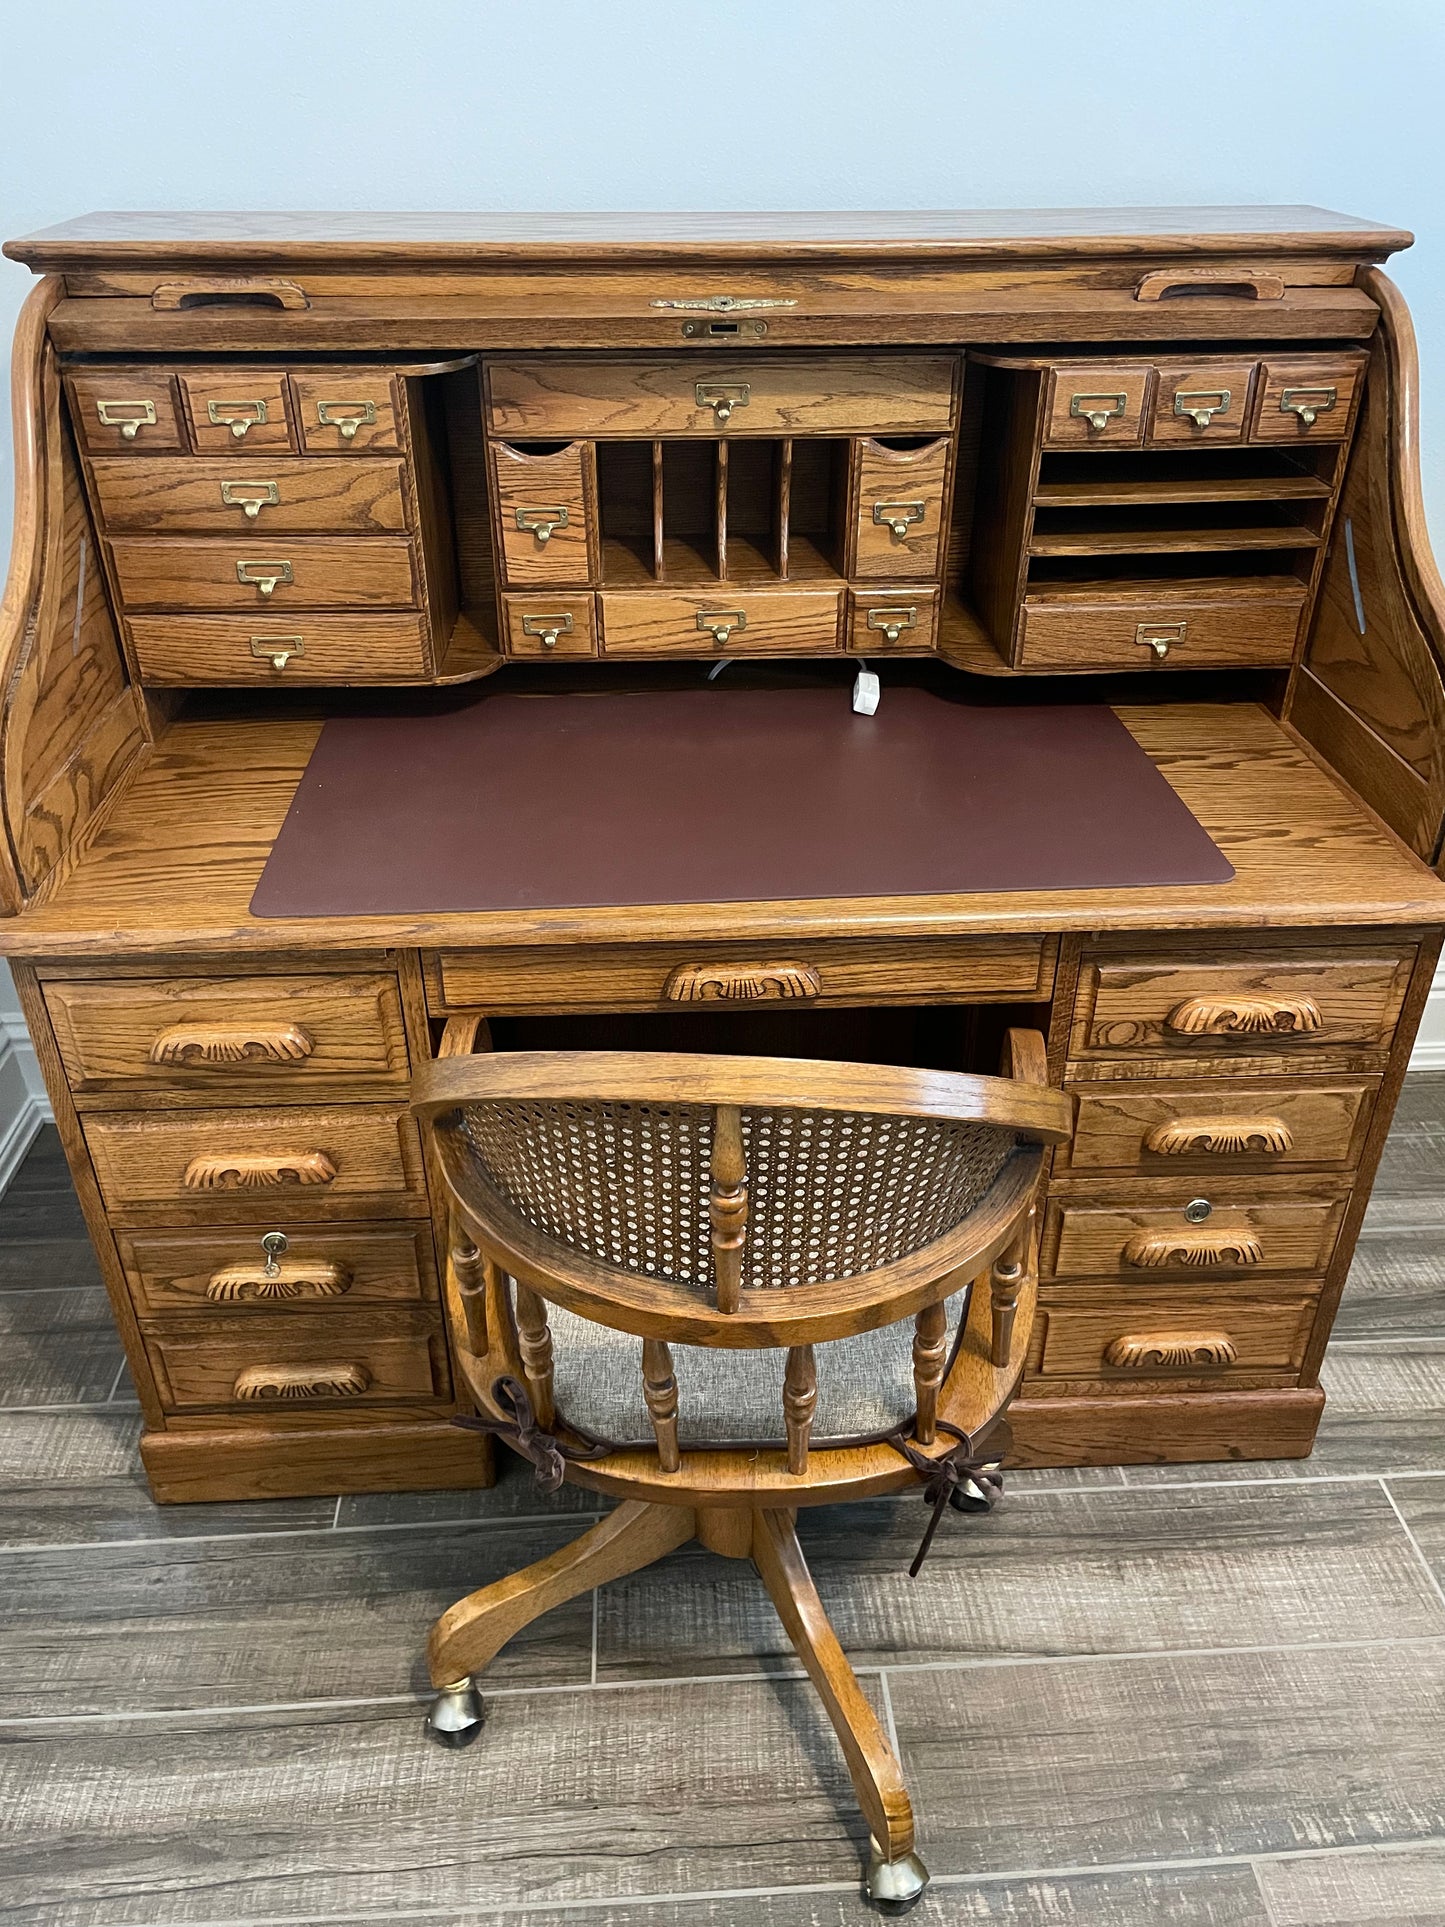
x: 238, y: 416
x: 890, y: 623
x: 348, y: 416
x: 898, y: 516
x: 542, y: 522
x: 1201, y: 405
x: 128, y: 416
x: 720, y: 623
x: 722, y: 397
x: 1098, y: 410
x: 251, y: 497
x: 547, y: 628
x: 1308, y: 403
x: 1160, y: 636
x: 263, y: 576
x: 280, y: 649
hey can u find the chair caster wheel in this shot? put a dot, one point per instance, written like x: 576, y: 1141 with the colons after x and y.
x: 894, y: 1886
x: 456, y: 1715
x: 981, y: 1493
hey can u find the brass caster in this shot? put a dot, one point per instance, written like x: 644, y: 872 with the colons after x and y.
x: 894, y: 1886
x: 456, y: 1715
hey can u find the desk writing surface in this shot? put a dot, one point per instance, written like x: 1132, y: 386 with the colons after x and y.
x: 176, y: 864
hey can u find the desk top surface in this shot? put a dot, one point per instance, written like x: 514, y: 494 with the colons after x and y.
x: 175, y: 866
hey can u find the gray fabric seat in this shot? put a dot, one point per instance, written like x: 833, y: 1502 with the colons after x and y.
x: 865, y: 1384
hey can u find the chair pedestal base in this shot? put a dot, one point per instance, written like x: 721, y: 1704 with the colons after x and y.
x: 470, y: 1634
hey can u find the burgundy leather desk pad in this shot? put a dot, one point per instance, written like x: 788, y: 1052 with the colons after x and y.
x: 718, y: 796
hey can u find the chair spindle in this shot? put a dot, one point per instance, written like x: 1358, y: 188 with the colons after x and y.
x: 534, y: 1342
x: 930, y: 1345
x: 470, y: 1270
x: 1005, y: 1281
x: 728, y: 1205
x: 800, y: 1398
x: 659, y: 1388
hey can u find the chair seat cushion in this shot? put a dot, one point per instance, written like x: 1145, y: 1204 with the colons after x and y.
x: 865, y: 1384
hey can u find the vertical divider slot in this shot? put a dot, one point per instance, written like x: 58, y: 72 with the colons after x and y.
x: 659, y: 563
x: 782, y: 513
x: 720, y: 507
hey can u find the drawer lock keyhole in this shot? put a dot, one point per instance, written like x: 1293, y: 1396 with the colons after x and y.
x: 273, y: 1244
x: 1197, y: 1210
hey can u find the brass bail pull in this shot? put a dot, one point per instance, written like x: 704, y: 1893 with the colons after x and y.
x: 720, y: 623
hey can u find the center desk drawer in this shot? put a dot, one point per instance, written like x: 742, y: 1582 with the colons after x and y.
x: 233, y: 1037
x: 309, y: 1269
x: 649, y: 977
x: 213, y: 496
x: 156, y: 1167
x: 689, y: 395
x: 721, y: 622
x: 257, y: 573
x: 1147, y: 1235
x: 271, y: 1364
x: 1258, y: 1003
x: 1161, y: 1129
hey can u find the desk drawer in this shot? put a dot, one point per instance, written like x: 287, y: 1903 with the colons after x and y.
x: 321, y: 1270
x: 1175, y: 1008
x: 1146, y: 1235
x: 1159, y: 1130
x: 283, y: 494
x: 358, y: 1160
x: 899, y: 511
x: 722, y: 622
x: 1202, y: 401
x: 127, y: 411
x: 273, y: 1362
x: 258, y: 575
x: 186, y: 651
x: 237, y: 411
x: 1097, y: 404
x: 1307, y: 398
x: 694, y: 395
x: 657, y: 976
x: 347, y: 412
x: 1150, y: 1338
x: 233, y: 1037
x: 544, y: 509
x: 1072, y: 631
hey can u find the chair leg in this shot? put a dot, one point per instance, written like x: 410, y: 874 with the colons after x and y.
x: 471, y: 1633
x: 896, y: 1876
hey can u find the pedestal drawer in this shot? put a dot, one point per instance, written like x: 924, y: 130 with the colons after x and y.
x: 359, y: 1160
x: 259, y: 575
x: 300, y: 1270
x: 1222, y: 1230
x: 1144, y: 1338
x: 1161, y: 1130
x: 276, y: 1363
x: 301, y: 648
x: 198, y: 495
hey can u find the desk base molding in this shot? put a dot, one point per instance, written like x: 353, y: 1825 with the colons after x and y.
x: 1166, y: 1429
x: 295, y: 1463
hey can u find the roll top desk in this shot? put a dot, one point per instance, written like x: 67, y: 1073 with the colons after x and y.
x: 275, y: 468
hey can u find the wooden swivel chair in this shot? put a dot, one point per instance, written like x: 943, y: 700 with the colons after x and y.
x: 721, y: 1288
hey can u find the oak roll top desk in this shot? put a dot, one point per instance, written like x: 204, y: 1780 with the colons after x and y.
x: 272, y: 468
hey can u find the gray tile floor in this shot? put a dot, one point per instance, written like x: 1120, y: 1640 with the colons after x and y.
x: 1189, y: 1694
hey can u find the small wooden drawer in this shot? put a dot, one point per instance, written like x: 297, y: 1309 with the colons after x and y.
x: 1308, y: 398
x: 1161, y: 1129
x: 359, y: 1160
x: 1204, y: 401
x: 656, y: 976
x: 189, y: 651
x: 1225, y: 1229
x: 545, y: 514
x: 1163, y: 629
x: 207, y: 496
x: 887, y: 621
x: 551, y: 625
x: 236, y: 411
x: 1097, y: 404
x: 1148, y: 1338
x: 723, y: 622
x: 1261, y: 1003
x: 280, y: 1364
x: 232, y: 1038
x: 347, y: 411
x: 302, y: 1270
x: 127, y: 411
x: 694, y: 395
x: 898, y: 509
x: 257, y: 574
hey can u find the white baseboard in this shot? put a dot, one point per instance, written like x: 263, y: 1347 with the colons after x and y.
x: 1429, y: 1051
x: 24, y: 1107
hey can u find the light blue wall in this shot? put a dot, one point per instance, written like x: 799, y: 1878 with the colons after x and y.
x: 660, y: 104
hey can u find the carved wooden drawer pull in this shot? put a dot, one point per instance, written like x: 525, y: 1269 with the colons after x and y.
x: 1237, y: 1016
x: 1221, y: 1137
x: 255, y: 1170
x: 292, y: 1278
x: 196, y: 1045
x: 1197, y: 1249
x: 741, y: 983
x: 265, y: 1382
x: 1147, y: 1351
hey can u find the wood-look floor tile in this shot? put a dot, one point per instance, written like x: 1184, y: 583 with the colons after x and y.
x: 73, y: 1477
x: 1370, y: 1889
x: 57, y: 1347
x: 1055, y: 1573
x: 1396, y: 1285
x: 47, y: 1264
x: 566, y: 1796
x: 515, y: 1493
x: 260, y: 1621
x: 1422, y: 1506
x: 1122, y: 1761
